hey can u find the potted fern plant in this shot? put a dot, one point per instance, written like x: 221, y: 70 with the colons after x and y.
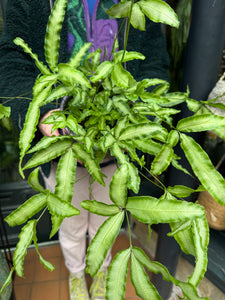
x: 108, y: 112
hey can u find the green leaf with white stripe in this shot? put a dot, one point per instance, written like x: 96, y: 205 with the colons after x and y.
x: 52, y: 36
x: 120, y: 125
x: 173, y: 138
x: 201, y: 122
x: 90, y: 163
x: 162, y: 89
x: 33, y: 181
x: 131, y: 151
x: 147, y: 146
x: 117, y: 276
x: 129, y: 55
x: 118, y: 186
x: 140, y: 280
x: 203, y: 168
x: 65, y: 179
x: 27, y: 210
x: 153, y: 266
x: 162, y: 160
x: 102, y: 242
x: 120, y: 76
x: 91, y: 62
x: 124, y: 109
x: 40, y: 95
x: 179, y: 167
x: 141, y: 130
x: 71, y: 76
x: 46, y: 141
x: 47, y: 154
x: 30, y: 125
x: 56, y: 223
x: 49, y: 266
x: 60, y: 208
x: 7, y: 281
x: 20, y: 42
x: 100, y: 208
x: 43, y: 86
x: 150, y: 210
x: 182, y: 226
x: 25, y: 239
x: 189, y: 291
x: 57, y: 93
x: 145, y: 83
x: 175, y: 98
x: 200, y: 231
x: 4, y: 111
x: 72, y: 124
x: 183, y: 191
x: 159, y: 11
x: 184, y: 237
x: 66, y: 176
x: 28, y: 131
x: 137, y: 17
x: 75, y: 61
x: 193, y: 105
x: 167, y: 196
x: 109, y: 140
x: 120, y: 10
x: 116, y: 151
x: 102, y: 71
x: 134, y: 178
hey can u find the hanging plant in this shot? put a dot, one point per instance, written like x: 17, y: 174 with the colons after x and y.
x: 108, y: 112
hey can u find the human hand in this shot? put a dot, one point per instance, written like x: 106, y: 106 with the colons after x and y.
x: 47, y: 128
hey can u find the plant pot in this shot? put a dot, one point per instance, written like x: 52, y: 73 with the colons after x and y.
x: 215, y: 213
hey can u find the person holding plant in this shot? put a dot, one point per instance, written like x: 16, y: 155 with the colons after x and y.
x: 86, y: 21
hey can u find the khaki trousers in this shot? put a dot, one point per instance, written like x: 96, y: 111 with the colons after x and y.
x: 73, y: 231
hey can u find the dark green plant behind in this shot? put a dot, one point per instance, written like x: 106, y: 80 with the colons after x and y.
x: 177, y: 39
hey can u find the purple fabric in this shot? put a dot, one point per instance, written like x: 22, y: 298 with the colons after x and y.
x: 71, y: 40
x: 100, y: 33
x: 103, y: 35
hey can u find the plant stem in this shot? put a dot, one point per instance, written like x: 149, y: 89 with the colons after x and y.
x: 128, y: 225
x: 220, y: 162
x: 16, y: 97
x: 51, y: 4
x: 127, y: 29
x: 222, y: 77
x: 161, y: 186
x: 44, y: 210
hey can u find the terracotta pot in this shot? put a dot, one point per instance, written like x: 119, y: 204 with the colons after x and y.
x: 215, y: 213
